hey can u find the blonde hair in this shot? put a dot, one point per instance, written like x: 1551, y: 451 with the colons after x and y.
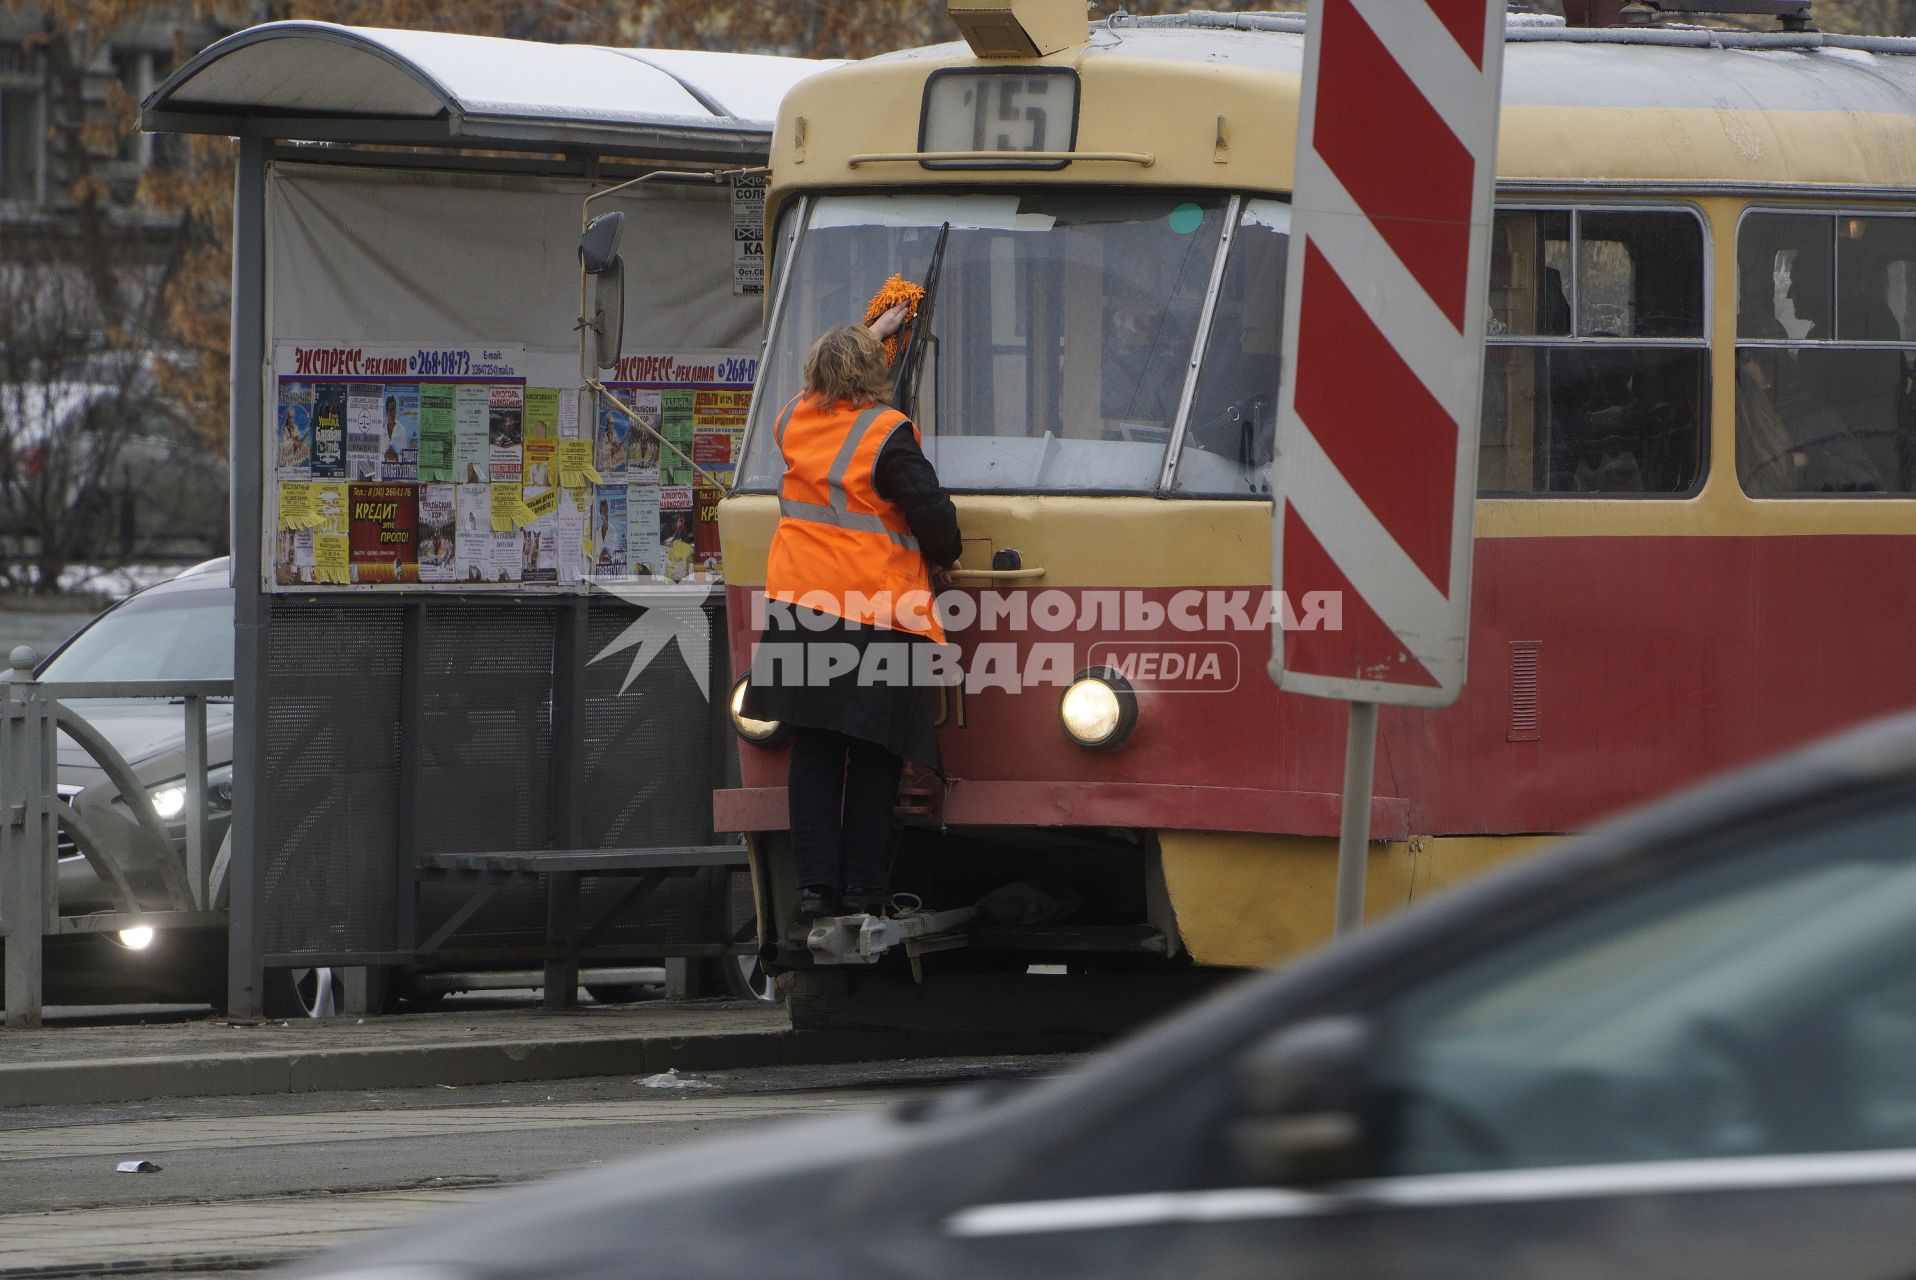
x: 848, y: 364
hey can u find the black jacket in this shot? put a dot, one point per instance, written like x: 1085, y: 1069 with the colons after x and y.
x: 904, y: 478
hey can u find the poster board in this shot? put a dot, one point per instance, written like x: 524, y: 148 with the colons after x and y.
x: 445, y: 467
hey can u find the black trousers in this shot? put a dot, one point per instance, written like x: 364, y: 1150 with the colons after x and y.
x: 842, y: 791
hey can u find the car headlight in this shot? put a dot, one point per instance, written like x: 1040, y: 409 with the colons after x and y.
x: 169, y: 798
x: 169, y: 801
x: 1099, y: 710
x: 760, y: 733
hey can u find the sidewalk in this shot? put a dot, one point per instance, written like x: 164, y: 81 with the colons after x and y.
x: 71, y: 1066
x: 75, y: 1065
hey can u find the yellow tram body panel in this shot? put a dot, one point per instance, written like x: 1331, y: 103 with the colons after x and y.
x: 1222, y: 112
x: 1255, y: 900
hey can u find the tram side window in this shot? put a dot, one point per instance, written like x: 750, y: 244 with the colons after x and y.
x: 1228, y: 446
x: 1596, y: 378
x: 1826, y: 345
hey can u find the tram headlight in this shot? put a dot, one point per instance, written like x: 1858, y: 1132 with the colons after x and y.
x: 1099, y: 710
x: 760, y: 733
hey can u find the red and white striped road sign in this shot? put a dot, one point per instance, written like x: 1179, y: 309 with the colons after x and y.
x: 1376, y: 470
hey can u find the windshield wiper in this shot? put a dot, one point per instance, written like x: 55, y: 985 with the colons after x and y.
x: 904, y: 385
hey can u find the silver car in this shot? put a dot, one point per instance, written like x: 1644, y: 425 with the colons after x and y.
x: 181, y: 630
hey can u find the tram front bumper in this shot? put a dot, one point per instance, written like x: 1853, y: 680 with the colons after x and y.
x: 862, y: 939
x: 1159, y: 806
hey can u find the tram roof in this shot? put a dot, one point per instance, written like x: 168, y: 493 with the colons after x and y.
x: 319, y: 81
x: 1679, y: 105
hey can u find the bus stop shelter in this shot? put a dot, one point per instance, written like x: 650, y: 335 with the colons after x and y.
x: 406, y: 214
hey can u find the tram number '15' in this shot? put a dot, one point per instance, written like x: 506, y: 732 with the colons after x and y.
x: 951, y: 707
x: 996, y: 102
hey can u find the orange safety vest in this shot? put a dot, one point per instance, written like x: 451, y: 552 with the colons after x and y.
x: 840, y: 548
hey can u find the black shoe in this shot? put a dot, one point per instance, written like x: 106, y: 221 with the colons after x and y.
x: 870, y: 902
x: 814, y: 902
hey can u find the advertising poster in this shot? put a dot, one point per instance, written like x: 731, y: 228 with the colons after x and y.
x: 331, y: 541
x: 610, y: 440
x: 542, y: 413
x: 436, y: 432
x: 293, y: 442
x: 642, y: 531
x: 506, y: 433
x: 642, y: 448
x: 471, y: 451
x: 329, y: 431
x: 718, y: 427
x: 678, y: 530
x: 438, y: 533
x: 365, y: 412
x: 606, y: 528
x: 383, y: 531
x: 541, y: 444
x: 707, y: 559
x: 293, y: 556
x: 748, y: 234
x: 400, y: 459
x: 677, y: 411
x: 568, y: 526
x: 472, y: 558
x: 714, y: 450
x: 539, y: 549
x: 569, y: 399
x: 507, y: 562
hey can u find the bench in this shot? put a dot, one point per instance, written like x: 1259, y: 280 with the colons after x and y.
x: 561, y: 869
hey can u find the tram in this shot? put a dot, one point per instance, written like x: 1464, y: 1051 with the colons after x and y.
x: 1697, y: 524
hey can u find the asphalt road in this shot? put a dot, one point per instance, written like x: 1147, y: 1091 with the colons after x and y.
x: 246, y: 1181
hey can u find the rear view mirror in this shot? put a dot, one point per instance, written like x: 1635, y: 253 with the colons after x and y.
x: 599, y: 243
x: 608, y: 311
x: 1303, y: 1116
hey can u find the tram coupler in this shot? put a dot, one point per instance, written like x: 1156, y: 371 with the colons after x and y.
x: 862, y: 939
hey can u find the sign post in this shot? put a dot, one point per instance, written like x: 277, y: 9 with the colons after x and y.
x: 1375, y: 479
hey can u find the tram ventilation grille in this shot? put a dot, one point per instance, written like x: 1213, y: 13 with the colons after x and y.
x: 1524, y: 724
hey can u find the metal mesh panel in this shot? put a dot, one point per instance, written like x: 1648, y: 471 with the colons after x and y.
x: 328, y: 806
x: 485, y: 768
x: 649, y: 757
x: 649, y: 749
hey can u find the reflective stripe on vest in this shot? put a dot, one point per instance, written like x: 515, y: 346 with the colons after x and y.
x: 838, y: 538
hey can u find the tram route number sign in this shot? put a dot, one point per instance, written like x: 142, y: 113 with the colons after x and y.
x: 1375, y: 478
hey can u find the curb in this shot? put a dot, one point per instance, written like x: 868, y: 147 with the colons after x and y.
x: 106, y: 1080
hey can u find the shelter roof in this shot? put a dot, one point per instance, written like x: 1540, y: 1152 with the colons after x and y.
x: 318, y: 81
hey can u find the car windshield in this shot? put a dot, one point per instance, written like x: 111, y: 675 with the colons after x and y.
x: 159, y: 635
x: 1062, y: 329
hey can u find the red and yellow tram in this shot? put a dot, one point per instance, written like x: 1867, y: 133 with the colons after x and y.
x: 1697, y: 525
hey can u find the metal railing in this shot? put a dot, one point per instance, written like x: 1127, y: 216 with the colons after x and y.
x: 33, y: 813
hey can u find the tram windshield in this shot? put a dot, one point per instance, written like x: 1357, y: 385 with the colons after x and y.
x: 1062, y: 329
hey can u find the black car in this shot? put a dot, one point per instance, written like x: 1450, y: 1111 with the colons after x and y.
x: 1683, y: 1046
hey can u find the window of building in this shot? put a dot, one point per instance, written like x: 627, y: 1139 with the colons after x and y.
x: 1596, y: 380
x: 1826, y: 342
x: 22, y: 144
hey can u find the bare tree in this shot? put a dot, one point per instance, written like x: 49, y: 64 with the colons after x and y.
x: 77, y: 412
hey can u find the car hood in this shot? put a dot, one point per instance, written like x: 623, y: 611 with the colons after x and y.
x: 817, y: 1195
x: 142, y: 731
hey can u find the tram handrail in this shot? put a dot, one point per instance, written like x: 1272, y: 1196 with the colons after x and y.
x: 996, y: 159
x: 995, y: 575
